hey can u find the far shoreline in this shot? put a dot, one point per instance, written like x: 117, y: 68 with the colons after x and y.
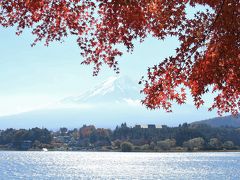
x: 205, y: 151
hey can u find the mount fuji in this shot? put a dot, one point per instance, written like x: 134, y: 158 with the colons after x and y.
x: 114, y: 90
x: 108, y: 104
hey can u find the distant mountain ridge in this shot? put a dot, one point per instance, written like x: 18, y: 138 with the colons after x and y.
x: 108, y: 104
x: 229, y: 121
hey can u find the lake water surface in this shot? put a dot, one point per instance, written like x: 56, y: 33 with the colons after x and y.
x: 114, y: 165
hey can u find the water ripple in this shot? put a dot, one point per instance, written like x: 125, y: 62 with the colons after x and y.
x: 108, y: 165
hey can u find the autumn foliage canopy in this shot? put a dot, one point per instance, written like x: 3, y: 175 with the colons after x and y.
x: 207, y: 60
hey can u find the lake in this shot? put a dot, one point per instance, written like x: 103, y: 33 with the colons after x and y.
x: 116, y: 165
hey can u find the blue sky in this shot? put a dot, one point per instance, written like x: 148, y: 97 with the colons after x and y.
x: 32, y: 77
x: 28, y: 68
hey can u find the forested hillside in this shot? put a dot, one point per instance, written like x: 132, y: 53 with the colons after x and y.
x: 185, y: 137
x: 231, y: 121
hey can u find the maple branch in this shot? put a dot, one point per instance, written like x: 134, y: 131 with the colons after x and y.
x: 198, y: 45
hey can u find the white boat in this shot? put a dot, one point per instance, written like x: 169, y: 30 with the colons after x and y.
x: 44, y: 149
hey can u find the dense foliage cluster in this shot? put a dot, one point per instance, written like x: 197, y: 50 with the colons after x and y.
x: 123, y: 138
x: 180, y: 136
x: 15, y: 138
x: 208, y: 54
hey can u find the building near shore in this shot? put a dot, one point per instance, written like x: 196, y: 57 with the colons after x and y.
x: 148, y: 126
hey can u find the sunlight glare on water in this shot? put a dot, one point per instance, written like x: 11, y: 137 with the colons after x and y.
x: 114, y: 165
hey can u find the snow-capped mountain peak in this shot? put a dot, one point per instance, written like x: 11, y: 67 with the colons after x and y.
x: 114, y: 89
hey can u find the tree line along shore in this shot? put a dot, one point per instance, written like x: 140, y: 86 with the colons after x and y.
x: 149, y: 138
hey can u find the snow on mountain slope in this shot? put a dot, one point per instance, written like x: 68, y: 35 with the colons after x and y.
x: 115, y: 89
